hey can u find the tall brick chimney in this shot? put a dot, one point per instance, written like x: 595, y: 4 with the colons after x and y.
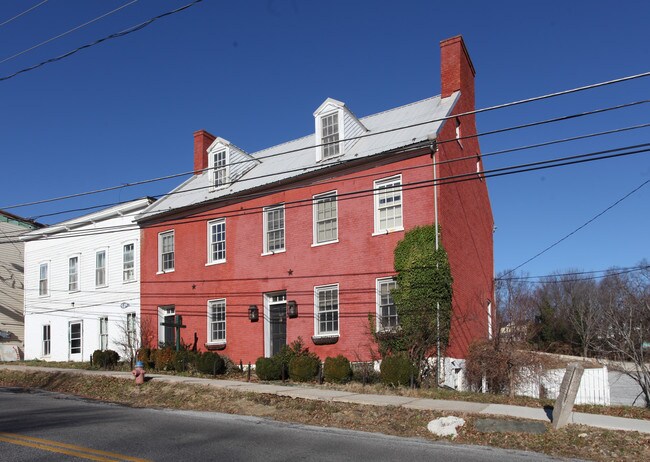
x: 202, y: 141
x: 456, y: 69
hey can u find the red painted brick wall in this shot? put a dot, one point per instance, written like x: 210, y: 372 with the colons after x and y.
x: 355, y: 262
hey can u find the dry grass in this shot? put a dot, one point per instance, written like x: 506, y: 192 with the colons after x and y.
x: 572, y: 441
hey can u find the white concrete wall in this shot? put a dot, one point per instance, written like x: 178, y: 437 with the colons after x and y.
x: 87, y: 305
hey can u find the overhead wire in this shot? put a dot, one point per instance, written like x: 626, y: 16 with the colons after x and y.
x: 470, y: 176
x: 80, y: 26
x: 303, y: 169
x: 292, y: 151
x: 542, y: 252
x: 23, y: 13
x: 128, y: 31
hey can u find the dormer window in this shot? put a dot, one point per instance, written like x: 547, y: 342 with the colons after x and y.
x: 220, y: 168
x: 330, y: 135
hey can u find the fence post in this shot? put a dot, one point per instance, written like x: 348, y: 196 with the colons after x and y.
x: 249, y: 371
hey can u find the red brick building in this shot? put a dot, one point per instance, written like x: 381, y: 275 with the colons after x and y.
x: 256, y: 250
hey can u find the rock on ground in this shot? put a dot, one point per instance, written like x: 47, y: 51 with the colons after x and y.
x: 446, y: 426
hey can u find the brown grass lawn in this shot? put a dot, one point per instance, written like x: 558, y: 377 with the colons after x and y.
x: 572, y: 441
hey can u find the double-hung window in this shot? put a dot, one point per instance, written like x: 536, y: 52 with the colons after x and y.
x: 217, y: 321
x: 75, y: 338
x: 217, y: 241
x: 166, y: 251
x: 330, y: 135
x: 100, y: 268
x: 386, y: 311
x: 43, y: 279
x: 326, y: 301
x: 128, y: 262
x: 220, y: 168
x: 47, y: 339
x: 325, y: 218
x: 103, y: 334
x: 388, y: 204
x: 274, y: 229
x: 73, y: 274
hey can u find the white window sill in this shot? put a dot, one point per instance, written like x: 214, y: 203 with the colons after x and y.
x: 101, y: 287
x: 217, y: 262
x: 327, y: 159
x: 165, y: 272
x: 388, y: 231
x: 130, y: 282
x: 326, y: 335
x: 318, y: 244
x: 43, y: 296
x: 274, y: 252
x: 76, y: 291
x: 217, y: 343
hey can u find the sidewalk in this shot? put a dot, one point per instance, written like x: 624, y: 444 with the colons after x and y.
x: 320, y: 394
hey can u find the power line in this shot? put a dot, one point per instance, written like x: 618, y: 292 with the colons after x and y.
x: 608, y: 271
x: 23, y: 13
x: 579, y: 227
x: 471, y: 176
x: 104, y: 39
x: 331, y: 164
x: 303, y: 169
x: 67, y: 32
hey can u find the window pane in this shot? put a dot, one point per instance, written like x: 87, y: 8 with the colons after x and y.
x: 328, y: 310
x: 128, y: 259
x: 274, y: 229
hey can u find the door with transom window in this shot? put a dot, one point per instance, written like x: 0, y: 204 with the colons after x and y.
x: 275, y: 322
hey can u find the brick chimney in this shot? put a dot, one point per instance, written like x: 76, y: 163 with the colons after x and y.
x: 456, y: 69
x: 202, y: 141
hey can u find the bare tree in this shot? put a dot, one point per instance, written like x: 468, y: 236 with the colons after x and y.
x: 134, y: 333
x: 625, y: 337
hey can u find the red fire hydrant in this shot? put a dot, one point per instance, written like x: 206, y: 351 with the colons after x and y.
x: 138, y: 373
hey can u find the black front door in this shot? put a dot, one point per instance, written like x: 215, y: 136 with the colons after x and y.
x: 278, y: 321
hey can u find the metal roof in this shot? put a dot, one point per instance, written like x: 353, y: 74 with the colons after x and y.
x: 392, y: 129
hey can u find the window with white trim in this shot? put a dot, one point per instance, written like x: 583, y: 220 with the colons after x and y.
x: 274, y: 229
x: 100, y: 268
x: 73, y: 274
x: 325, y: 218
x: 47, y: 339
x: 166, y: 251
x: 388, y: 204
x: 387, y: 318
x: 220, y: 168
x: 326, y: 301
x: 217, y: 321
x: 103, y: 334
x: 217, y: 241
x: 43, y: 279
x: 128, y: 262
x: 330, y: 135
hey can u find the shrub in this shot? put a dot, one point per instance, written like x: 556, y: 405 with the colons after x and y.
x: 304, y: 367
x: 164, y: 359
x: 397, y: 370
x: 337, y: 370
x: 146, y: 355
x: 288, y: 352
x: 268, y: 368
x: 209, y: 363
x: 106, y: 359
x: 183, y: 360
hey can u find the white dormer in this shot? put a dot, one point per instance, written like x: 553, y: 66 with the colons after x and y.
x: 335, y: 125
x: 227, y: 163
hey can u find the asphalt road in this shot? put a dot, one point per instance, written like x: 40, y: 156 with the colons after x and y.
x: 38, y: 425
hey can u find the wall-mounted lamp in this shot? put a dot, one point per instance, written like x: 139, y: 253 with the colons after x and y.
x: 253, y: 313
x: 292, y: 309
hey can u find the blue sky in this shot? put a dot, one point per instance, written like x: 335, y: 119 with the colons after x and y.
x: 253, y: 72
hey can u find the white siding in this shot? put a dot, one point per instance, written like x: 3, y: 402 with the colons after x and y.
x: 89, y: 303
x: 352, y: 127
x: 240, y: 163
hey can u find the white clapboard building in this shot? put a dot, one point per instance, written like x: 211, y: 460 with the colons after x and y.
x: 82, y: 285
